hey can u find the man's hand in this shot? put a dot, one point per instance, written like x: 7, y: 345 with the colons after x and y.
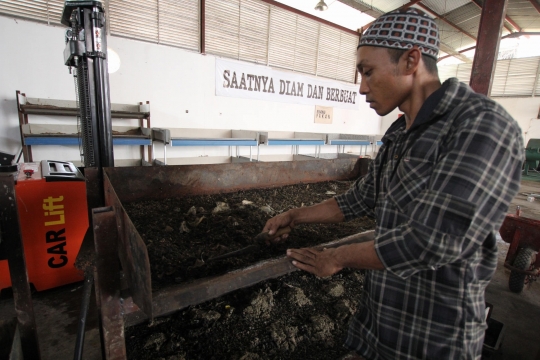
x: 321, y: 263
x: 326, y: 212
x: 277, y: 222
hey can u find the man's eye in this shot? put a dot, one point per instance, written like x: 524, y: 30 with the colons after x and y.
x: 368, y: 72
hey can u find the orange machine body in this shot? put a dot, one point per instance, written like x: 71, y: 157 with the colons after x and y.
x: 53, y: 216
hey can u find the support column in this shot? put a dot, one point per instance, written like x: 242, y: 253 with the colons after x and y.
x: 487, y: 45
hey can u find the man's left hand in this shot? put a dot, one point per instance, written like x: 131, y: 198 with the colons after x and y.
x: 321, y: 263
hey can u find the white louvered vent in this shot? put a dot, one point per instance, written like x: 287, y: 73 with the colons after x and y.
x: 521, y: 76
x: 48, y: 11
x: 513, y: 77
x: 254, y: 24
x: 347, y: 57
x: 179, y: 23
x: 249, y: 30
x: 134, y: 19
x: 281, y: 47
x: 55, y: 9
x: 307, y: 39
x: 464, y: 73
x: 500, y: 78
x: 222, y: 27
x: 329, y: 47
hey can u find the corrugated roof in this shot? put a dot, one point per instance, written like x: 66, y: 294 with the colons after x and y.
x: 458, y: 20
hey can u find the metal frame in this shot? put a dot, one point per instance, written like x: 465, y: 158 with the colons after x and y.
x: 11, y: 249
x: 238, y: 138
x: 342, y: 140
x: 520, y: 232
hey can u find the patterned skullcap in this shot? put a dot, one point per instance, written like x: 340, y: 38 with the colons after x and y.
x: 402, y: 29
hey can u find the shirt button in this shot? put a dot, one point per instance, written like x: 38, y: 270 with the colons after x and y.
x: 396, y: 157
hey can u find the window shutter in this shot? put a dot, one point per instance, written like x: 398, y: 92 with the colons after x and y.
x: 55, y: 9
x: 346, y: 65
x: 464, y: 73
x: 521, y: 76
x: 329, y: 47
x: 222, y: 27
x: 254, y: 20
x: 250, y: 30
x: 337, y: 54
x: 282, y: 44
x: 134, y: 19
x: 500, y: 78
x: 179, y: 23
x: 48, y: 11
x: 307, y: 39
x: 293, y: 41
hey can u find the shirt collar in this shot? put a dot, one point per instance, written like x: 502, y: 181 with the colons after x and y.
x: 436, y: 104
x: 429, y: 107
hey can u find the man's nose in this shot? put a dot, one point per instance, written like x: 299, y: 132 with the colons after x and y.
x: 364, y: 88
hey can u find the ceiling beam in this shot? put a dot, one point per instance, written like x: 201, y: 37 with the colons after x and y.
x: 536, y: 5
x: 451, y: 52
x: 358, y: 5
x: 446, y: 21
x: 404, y: 6
x: 489, y: 35
x: 309, y: 16
x: 363, y: 7
x: 460, y: 52
x: 507, y: 18
x: 522, y: 33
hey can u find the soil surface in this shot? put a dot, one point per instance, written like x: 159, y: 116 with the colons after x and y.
x: 296, y: 316
x: 182, y: 234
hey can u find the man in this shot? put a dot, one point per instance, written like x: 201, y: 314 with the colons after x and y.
x: 439, y: 189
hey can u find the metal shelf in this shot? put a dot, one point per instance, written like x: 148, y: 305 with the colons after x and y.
x: 67, y: 135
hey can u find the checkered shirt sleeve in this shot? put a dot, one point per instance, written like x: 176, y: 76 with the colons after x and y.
x: 359, y: 200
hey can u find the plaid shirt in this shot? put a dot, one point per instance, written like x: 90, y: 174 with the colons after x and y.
x: 439, y: 192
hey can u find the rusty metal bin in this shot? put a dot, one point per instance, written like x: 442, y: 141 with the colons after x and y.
x: 126, y: 298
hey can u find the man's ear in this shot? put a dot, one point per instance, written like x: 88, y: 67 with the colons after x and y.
x: 412, y: 59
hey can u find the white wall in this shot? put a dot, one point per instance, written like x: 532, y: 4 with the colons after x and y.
x: 387, y: 120
x: 179, y: 85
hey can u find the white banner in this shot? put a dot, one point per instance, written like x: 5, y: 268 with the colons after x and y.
x: 243, y: 80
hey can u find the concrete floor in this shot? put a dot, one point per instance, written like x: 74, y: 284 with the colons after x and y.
x: 520, y: 313
x: 57, y: 310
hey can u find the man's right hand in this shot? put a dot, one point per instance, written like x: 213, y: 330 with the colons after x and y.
x: 326, y: 212
x: 282, y: 220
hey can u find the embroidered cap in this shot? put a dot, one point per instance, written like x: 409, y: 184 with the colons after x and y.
x: 402, y: 29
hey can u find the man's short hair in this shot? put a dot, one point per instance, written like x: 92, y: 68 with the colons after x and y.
x: 430, y: 63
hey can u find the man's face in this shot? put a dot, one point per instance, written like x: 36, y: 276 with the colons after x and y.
x: 382, y: 81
